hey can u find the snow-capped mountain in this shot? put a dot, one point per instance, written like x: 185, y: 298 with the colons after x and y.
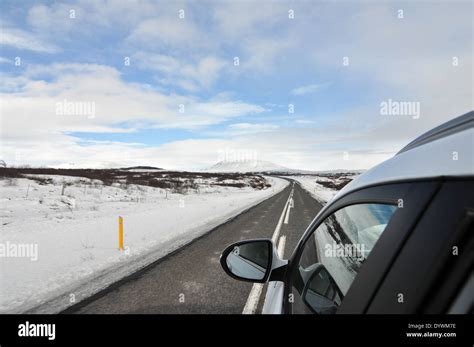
x: 247, y: 166
x: 266, y: 166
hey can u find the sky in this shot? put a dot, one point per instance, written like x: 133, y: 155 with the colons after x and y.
x: 185, y: 84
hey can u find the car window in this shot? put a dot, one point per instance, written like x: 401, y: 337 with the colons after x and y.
x: 333, y: 255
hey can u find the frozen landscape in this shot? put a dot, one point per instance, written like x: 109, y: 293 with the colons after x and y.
x: 60, y: 227
x: 71, y: 224
x: 323, y: 187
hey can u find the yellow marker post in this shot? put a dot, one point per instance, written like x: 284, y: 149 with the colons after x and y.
x: 121, y: 233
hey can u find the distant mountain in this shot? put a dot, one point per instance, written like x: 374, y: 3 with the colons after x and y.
x: 247, y: 166
x: 142, y: 168
x: 262, y: 166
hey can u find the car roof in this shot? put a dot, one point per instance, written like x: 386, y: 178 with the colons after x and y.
x: 445, y: 151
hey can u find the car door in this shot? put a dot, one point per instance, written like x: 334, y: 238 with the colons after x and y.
x: 346, y: 251
x: 437, y: 258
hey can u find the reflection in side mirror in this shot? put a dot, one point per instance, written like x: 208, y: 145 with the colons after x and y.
x: 248, y: 260
x: 320, y: 292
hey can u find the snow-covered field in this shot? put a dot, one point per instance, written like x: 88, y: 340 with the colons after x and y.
x: 324, y: 187
x: 75, y: 233
x: 317, y: 191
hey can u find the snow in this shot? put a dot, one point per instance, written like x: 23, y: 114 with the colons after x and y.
x: 317, y: 191
x: 77, y: 233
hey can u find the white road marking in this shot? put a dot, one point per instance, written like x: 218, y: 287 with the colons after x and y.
x: 281, y: 246
x: 252, y: 301
x: 287, y: 216
x: 256, y: 291
x: 291, y: 204
x: 276, y: 233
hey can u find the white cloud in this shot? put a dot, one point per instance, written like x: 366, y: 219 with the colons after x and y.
x: 228, y: 108
x: 198, y: 114
x: 32, y: 106
x: 246, y: 126
x: 289, y: 148
x: 238, y: 20
x: 24, y: 40
x: 409, y: 59
x: 44, y: 18
x: 307, y: 89
x: 4, y: 60
x: 261, y: 53
x: 33, y: 134
x: 305, y: 121
x: 206, y: 71
x: 189, y: 75
x: 168, y: 31
x: 67, y: 151
x: 238, y: 129
x: 90, y: 17
x: 242, y: 129
x: 260, y: 34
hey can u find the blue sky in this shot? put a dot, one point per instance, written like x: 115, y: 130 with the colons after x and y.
x: 181, y: 101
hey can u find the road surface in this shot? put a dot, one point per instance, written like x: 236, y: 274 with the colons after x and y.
x: 191, y: 279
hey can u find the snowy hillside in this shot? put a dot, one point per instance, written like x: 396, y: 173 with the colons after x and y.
x: 256, y: 166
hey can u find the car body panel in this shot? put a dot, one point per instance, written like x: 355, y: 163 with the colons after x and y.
x: 450, y: 156
x: 421, y: 268
x: 426, y: 167
x: 274, y: 298
x: 415, y: 200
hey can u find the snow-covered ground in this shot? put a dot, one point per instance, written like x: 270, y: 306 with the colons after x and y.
x: 317, y: 191
x: 76, y: 233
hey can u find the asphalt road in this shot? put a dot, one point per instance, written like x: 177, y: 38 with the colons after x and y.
x: 191, y: 279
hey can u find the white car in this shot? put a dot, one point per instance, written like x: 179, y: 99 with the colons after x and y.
x: 398, y: 239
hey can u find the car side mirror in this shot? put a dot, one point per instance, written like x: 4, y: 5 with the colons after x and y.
x: 250, y: 260
x: 321, y: 293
